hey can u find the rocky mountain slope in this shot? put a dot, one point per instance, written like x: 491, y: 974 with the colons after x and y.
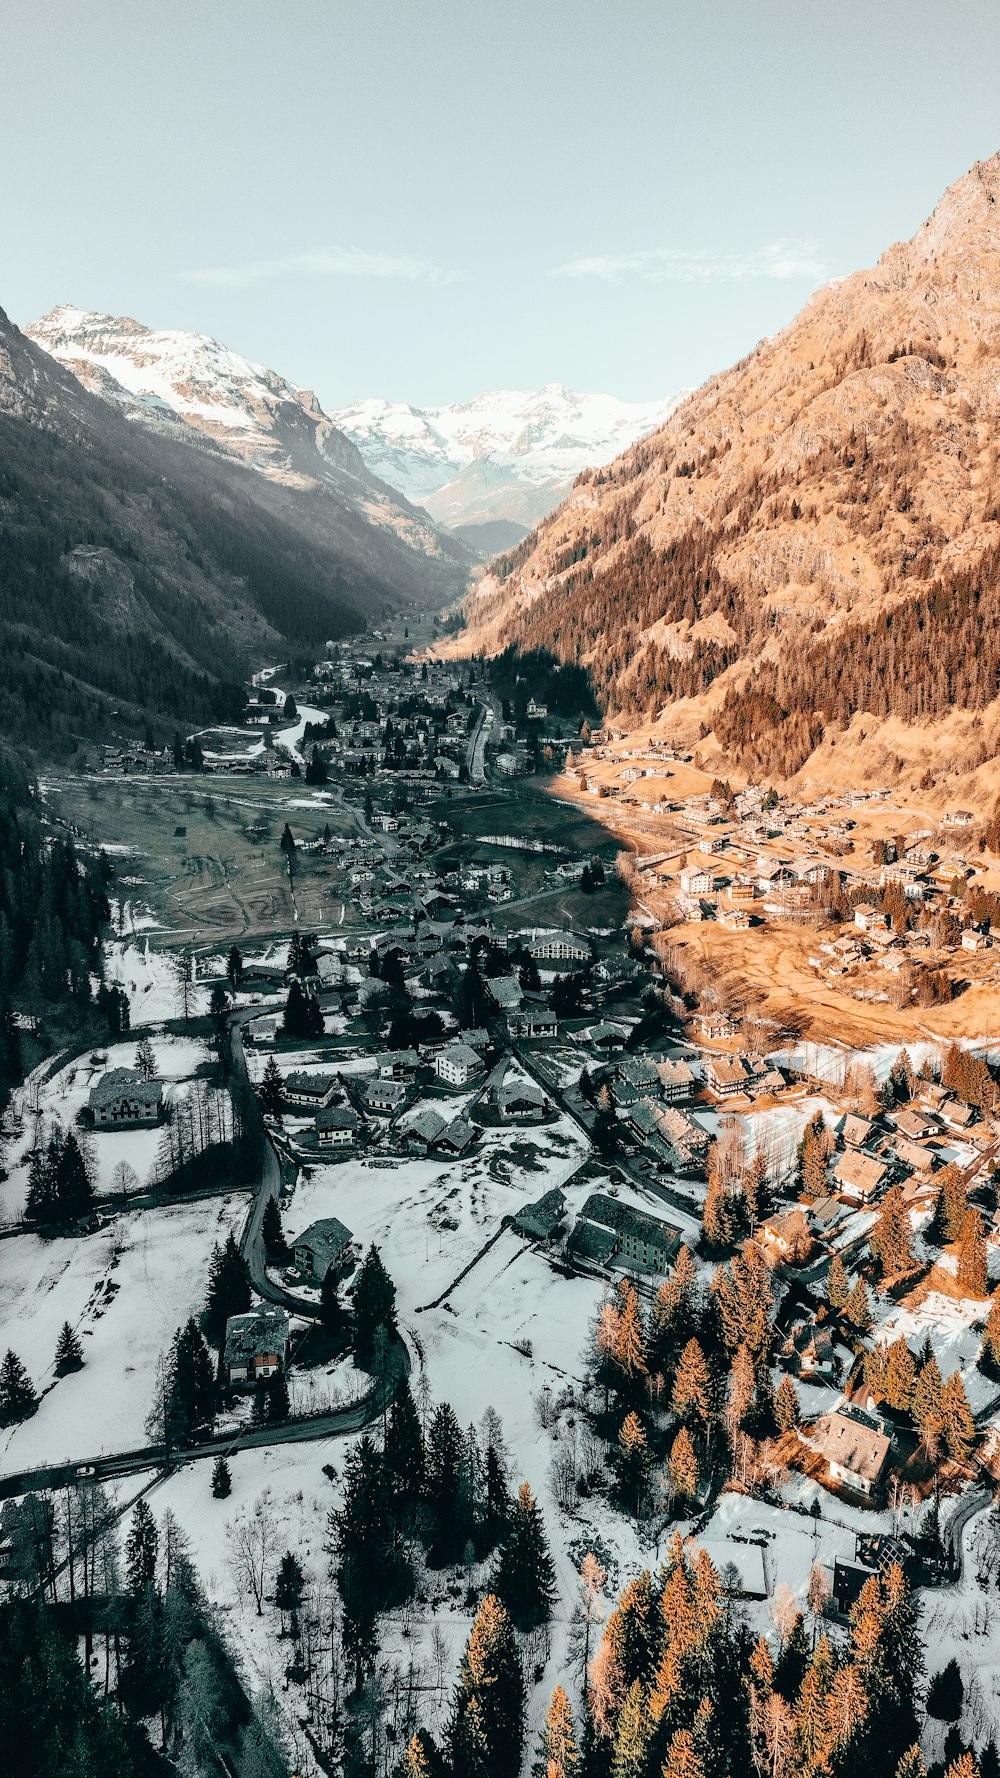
x: 192, y: 388
x: 505, y: 459
x: 139, y: 578
x: 813, y: 538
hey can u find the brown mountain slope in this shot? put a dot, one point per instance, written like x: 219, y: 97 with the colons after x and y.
x: 813, y: 539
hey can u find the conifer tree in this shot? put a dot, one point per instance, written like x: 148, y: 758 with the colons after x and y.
x: 634, y: 1734
x: 333, y: 1316
x: 946, y: 1693
x: 971, y: 1271
x: 272, y: 1233
x: 891, y: 1239
x: 374, y: 1306
x: 145, y: 1060
x: 141, y: 1550
x: 405, y: 1462
x: 741, y: 1393
x: 444, y: 1475
x: 558, y: 1755
x: 486, y: 1732
x: 74, y: 1191
x: 692, y: 1393
x: 69, y: 1352
x: 222, y: 1481
x: 857, y: 1309
x: 989, y: 1357
x: 289, y: 1585
x: 630, y: 1346
x: 786, y: 1404
x: 683, y: 1470
x: 190, y: 1387
x: 837, y: 1285
x: 632, y: 1462
x: 675, y: 1314
x: 229, y: 1290
x: 957, y: 1422
x: 927, y: 1408
x: 42, y: 1202
x: 951, y: 1207
x: 18, y: 1400
x: 271, y: 1090
x: 899, y: 1375
x: 912, y: 1763
x: 497, y: 1504
x: 683, y: 1759
x: 524, y: 1580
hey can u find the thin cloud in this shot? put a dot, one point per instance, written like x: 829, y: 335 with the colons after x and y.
x: 675, y: 265
x: 332, y: 262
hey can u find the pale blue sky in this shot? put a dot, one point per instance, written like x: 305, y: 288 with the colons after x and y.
x: 427, y: 198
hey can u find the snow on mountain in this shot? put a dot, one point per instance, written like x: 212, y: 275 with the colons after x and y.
x: 506, y: 455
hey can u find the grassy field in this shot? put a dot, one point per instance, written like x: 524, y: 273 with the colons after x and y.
x: 223, y: 877
x: 530, y: 811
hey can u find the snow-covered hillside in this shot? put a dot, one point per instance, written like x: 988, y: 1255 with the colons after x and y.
x: 194, y: 387
x: 506, y: 455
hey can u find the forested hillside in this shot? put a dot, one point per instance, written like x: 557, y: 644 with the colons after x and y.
x: 814, y: 535
x: 141, y: 577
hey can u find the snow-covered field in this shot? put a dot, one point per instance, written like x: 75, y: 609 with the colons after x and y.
x: 125, y: 1290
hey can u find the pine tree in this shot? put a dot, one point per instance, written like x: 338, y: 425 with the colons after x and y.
x: 405, y: 1462
x: 374, y: 1306
x: 18, y: 1400
x: 444, y: 1459
x: 222, y: 1481
x: 927, y: 1407
x: 951, y: 1207
x: 891, y: 1239
x: 989, y: 1357
x: 958, y: 1424
x: 912, y: 1763
x: 229, y: 1290
x: 683, y: 1470
x: 633, y: 1736
x: 971, y: 1272
x: 74, y: 1191
x: 69, y: 1352
x: 234, y: 966
x: 786, y: 1404
x: 271, y: 1090
x: 332, y: 1314
x: 630, y: 1350
x: 486, y: 1732
x: 692, y: 1397
x: 558, y: 1755
x: 498, y: 1507
x: 632, y: 1463
x: 289, y: 1585
x: 837, y: 1285
x: 141, y: 1550
x: 524, y: 1580
x: 190, y: 1388
x: 675, y: 1314
x: 145, y: 1060
x: 272, y: 1233
x: 42, y: 1203
x: 857, y: 1309
x: 899, y: 1375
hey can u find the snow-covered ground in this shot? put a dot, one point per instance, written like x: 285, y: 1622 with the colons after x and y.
x: 125, y: 1290
x: 150, y: 980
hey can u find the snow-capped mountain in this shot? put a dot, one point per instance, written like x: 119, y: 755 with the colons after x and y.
x: 507, y: 455
x: 194, y: 387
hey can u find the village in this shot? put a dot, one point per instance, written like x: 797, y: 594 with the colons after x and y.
x: 497, y: 1056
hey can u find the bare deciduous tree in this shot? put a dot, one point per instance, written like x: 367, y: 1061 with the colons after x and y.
x: 253, y: 1544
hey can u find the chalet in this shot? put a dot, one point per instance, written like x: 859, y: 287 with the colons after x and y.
x: 974, y: 940
x: 786, y: 1239
x: 914, y: 1155
x: 559, y: 947
x: 858, y: 1176
x: 855, y: 1132
x: 455, y: 1137
x: 256, y: 1346
x: 913, y: 1124
x: 320, y: 1248
x: 870, y: 919
x: 676, y: 1079
x: 519, y: 1099
x: 717, y: 1025
x: 457, y: 1064
x: 726, y: 1075
x: 421, y: 1133
x: 337, y: 1126
x: 958, y: 1116
x: 315, y: 1090
x: 808, y: 1352
x: 398, y: 1064
x: 384, y: 1096
x: 854, y: 1447
x: 505, y: 991
x: 122, y: 1097
x: 687, y: 1141
x: 697, y: 882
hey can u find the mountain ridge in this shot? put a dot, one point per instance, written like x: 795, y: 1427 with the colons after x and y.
x: 507, y: 455
x: 734, y: 575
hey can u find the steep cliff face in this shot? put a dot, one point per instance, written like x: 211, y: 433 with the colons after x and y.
x: 812, y: 535
x: 192, y: 388
x: 140, y: 578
